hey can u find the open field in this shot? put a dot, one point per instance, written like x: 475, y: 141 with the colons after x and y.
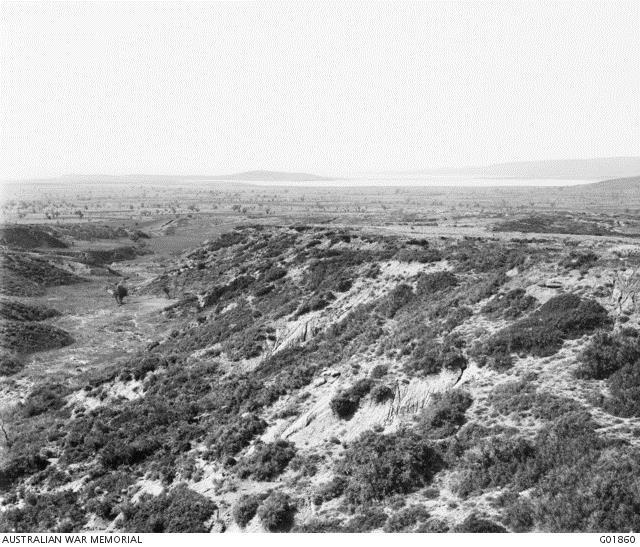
x: 320, y: 359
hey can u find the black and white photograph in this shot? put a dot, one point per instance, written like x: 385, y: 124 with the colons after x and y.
x: 319, y: 267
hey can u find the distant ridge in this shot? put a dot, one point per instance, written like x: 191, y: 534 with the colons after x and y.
x: 593, y: 168
x: 271, y: 176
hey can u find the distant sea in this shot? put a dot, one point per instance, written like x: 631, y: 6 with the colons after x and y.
x: 428, y: 181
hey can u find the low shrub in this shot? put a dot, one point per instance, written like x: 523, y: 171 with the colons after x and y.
x: 382, y: 393
x: 429, y: 283
x: 475, y: 524
x: 406, y: 519
x: 446, y: 413
x: 330, y: 490
x: 19, y: 311
x: 416, y: 254
x: 522, y: 396
x: 276, y: 512
x: 179, y: 510
x: 379, y: 371
x: 624, y: 389
x: 58, y: 512
x: 543, y: 332
x: 430, y: 357
x: 230, y: 438
x: 315, y: 302
x: 607, y: 353
x: 376, y: 466
x: 399, y: 297
x: 371, y: 518
x: 433, y: 526
x: 45, y: 398
x: 346, y: 402
x: 29, y: 337
x: 579, y: 260
x: 306, y: 464
x: 10, y: 363
x: 519, y: 514
x: 510, y: 305
x: 267, y: 461
x: 577, y: 480
x: 245, y: 509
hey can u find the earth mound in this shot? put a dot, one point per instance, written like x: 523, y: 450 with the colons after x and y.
x: 29, y: 337
x: 30, y: 237
x: 26, y: 275
x: 14, y: 310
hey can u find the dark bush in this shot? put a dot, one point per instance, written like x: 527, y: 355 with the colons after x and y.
x: 317, y: 525
x: 578, y: 480
x: 30, y: 336
x: 382, y: 393
x: 377, y: 466
x: 371, y: 518
x: 267, y: 461
x: 19, y: 311
x: 406, y: 519
x: 398, y: 297
x: 522, y: 396
x: 330, y: 490
x: 474, y: 524
x: 45, y: 398
x: 433, y: 526
x: 346, y: 402
x: 519, y: 514
x: 430, y: 357
x: 379, y: 371
x: 245, y: 509
x: 446, y: 413
x: 10, y: 363
x: 315, y: 302
x: 179, y: 510
x: 145, y: 364
x: 510, y: 305
x: 606, y: 353
x: 46, y: 513
x: 579, y: 260
x: 543, y: 332
x: 421, y: 255
x: 306, y: 464
x: 276, y: 512
x: 429, y: 283
x: 624, y: 387
x: 230, y: 438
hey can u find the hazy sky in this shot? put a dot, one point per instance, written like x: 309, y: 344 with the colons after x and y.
x: 186, y: 88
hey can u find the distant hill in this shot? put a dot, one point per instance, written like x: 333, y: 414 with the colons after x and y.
x: 625, y: 189
x: 595, y: 168
x: 272, y: 176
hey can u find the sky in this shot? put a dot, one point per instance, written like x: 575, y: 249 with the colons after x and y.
x: 322, y: 87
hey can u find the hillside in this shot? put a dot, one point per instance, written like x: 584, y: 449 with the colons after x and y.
x: 314, y: 379
x: 621, y: 186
